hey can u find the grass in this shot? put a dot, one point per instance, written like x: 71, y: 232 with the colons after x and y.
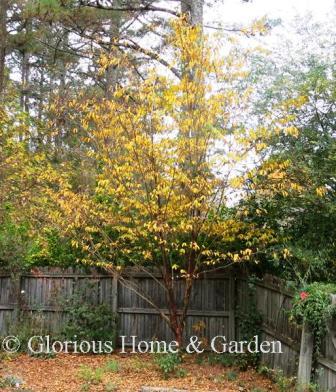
x: 91, y: 376
x: 111, y: 366
x: 231, y: 375
x: 284, y: 383
x: 110, y: 387
x: 95, y: 376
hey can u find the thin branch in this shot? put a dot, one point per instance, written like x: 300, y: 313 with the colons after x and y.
x: 146, y: 8
x: 232, y: 30
x: 155, y: 56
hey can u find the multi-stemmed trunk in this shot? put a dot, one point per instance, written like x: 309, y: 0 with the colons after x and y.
x: 193, y: 10
x: 178, y: 314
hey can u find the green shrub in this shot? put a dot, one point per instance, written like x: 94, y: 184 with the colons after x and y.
x: 181, y: 373
x: 242, y: 361
x: 313, y: 306
x: 225, y: 360
x: 15, y: 242
x: 89, y: 375
x: 200, y: 359
x: 86, y: 320
x: 314, y: 388
x: 52, y: 248
x: 217, y: 379
x: 110, y: 387
x: 85, y: 387
x: 111, y: 366
x: 27, y: 325
x: 168, y: 363
x: 264, y: 370
x: 10, y: 381
x: 231, y: 375
x: 245, y: 360
x: 284, y: 383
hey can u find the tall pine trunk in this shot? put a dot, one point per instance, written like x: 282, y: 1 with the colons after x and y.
x: 193, y: 9
x: 113, y: 72
x: 3, y: 45
x: 25, y: 69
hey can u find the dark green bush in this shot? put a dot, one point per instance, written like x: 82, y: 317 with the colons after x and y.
x: 87, y: 320
x: 168, y: 363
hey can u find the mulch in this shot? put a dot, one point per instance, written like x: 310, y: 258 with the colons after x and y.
x: 136, y: 372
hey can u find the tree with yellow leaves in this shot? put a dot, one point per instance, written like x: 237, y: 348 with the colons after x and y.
x: 166, y: 150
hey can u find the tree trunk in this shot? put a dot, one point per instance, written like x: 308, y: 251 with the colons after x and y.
x: 3, y: 45
x: 113, y: 71
x: 193, y: 9
x: 174, y: 323
x: 177, y: 317
x: 41, y: 92
x: 25, y: 71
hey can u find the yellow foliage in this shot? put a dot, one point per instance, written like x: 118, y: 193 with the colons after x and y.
x: 166, y: 148
x: 321, y: 191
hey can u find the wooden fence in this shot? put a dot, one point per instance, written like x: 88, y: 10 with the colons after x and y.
x: 211, y: 310
x: 214, y: 301
x: 274, y: 302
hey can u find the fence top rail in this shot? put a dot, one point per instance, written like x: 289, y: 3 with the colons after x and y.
x: 274, y: 283
x: 95, y: 273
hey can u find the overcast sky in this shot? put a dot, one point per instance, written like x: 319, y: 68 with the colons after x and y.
x: 292, y: 13
x: 241, y: 12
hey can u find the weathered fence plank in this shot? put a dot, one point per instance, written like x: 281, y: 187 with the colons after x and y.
x: 306, y: 358
x: 273, y: 303
x: 211, y: 312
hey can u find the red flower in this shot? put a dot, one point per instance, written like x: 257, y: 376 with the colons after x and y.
x: 304, y: 295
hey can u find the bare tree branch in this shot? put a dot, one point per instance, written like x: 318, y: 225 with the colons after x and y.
x: 153, y: 55
x: 145, y: 8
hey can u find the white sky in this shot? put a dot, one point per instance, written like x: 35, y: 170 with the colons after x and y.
x: 293, y: 14
x: 238, y: 11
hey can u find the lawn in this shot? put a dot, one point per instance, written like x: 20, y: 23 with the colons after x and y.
x: 76, y: 373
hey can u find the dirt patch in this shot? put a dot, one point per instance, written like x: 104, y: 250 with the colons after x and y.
x: 80, y: 373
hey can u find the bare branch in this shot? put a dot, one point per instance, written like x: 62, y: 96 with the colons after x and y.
x: 145, y: 8
x: 153, y: 55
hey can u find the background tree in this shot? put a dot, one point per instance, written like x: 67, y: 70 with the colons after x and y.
x: 301, y: 211
x: 3, y: 45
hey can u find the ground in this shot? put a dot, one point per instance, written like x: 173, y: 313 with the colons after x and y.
x: 127, y: 372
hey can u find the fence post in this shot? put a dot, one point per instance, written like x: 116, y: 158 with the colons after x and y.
x: 306, y: 358
x: 333, y: 336
x: 115, y: 306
